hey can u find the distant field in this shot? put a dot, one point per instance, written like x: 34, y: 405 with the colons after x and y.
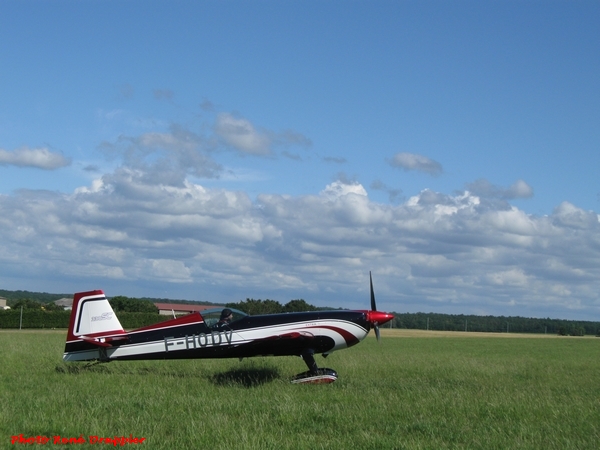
x: 473, y: 334
x: 414, y: 390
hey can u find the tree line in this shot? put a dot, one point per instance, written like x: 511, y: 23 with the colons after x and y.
x: 40, y: 297
x: 494, y: 324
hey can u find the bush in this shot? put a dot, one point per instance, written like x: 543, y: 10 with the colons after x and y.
x: 34, y: 318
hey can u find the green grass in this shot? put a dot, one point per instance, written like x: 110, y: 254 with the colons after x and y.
x: 406, y: 392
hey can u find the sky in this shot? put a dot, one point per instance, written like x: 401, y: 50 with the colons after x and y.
x: 224, y: 150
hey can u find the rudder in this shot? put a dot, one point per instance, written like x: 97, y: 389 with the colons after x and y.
x: 92, y: 321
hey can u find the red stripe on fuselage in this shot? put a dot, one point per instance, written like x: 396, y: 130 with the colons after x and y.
x: 348, y: 337
x: 184, y: 320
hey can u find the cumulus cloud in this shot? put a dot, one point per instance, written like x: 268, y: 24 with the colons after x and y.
x: 483, y: 188
x: 412, y: 161
x: 519, y: 189
x: 570, y: 215
x: 240, y: 134
x: 435, y: 251
x: 340, y: 188
x: 149, y: 221
x: 166, y: 157
x: 40, y: 158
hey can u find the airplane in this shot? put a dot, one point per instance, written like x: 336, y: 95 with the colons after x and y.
x: 95, y: 334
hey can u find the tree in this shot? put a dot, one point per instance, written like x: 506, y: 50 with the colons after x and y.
x: 52, y: 307
x: 121, y: 303
x: 27, y: 303
x: 255, y: 307
x: 298, y: 306
x: 578, y: 331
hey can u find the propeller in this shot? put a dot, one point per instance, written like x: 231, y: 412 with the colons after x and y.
x: 375, y: 317
x: 374, y: 307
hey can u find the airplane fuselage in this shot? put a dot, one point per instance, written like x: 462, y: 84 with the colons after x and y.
x: 95, y: 334
x: 265, y: 335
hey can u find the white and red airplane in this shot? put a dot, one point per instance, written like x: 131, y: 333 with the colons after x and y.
x: 95, y: 334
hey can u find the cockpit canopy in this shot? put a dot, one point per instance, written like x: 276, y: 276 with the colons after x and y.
x: 212, y: 316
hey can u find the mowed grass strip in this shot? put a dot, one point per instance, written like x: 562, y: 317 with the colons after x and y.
x: 411, y: 390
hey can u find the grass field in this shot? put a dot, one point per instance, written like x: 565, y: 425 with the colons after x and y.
x: 414, y: 390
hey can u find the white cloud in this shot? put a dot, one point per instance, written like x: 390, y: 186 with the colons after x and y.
x: 514, y: 277
x: 435, y: 252
x: 40, y: 158
x: 339, y: 188
x: 483, y: 188
x: 165, y: 157
x: 412, y: 161
x: 519, y: 189
x: 242, y: 135
x: 569, y: 215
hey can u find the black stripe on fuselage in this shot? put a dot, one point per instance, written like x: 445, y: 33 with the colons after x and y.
x: 294, y: 346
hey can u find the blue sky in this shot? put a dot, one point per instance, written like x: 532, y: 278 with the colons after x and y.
x: 224, y: 150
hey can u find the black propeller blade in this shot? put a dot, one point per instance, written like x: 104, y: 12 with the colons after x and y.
x: 374, y: 308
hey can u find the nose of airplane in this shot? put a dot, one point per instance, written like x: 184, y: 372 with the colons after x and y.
x: 378, y: 317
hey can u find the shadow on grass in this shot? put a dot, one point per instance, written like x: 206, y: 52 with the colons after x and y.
x: 245, y: 377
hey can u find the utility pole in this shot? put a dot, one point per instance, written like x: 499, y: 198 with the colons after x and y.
x: 21, y: 319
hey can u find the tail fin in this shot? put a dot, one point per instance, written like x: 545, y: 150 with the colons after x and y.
x: 92, y: 316
x: 93, y: 323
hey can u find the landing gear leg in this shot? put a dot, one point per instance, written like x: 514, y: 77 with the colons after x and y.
x: 309, y: 358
